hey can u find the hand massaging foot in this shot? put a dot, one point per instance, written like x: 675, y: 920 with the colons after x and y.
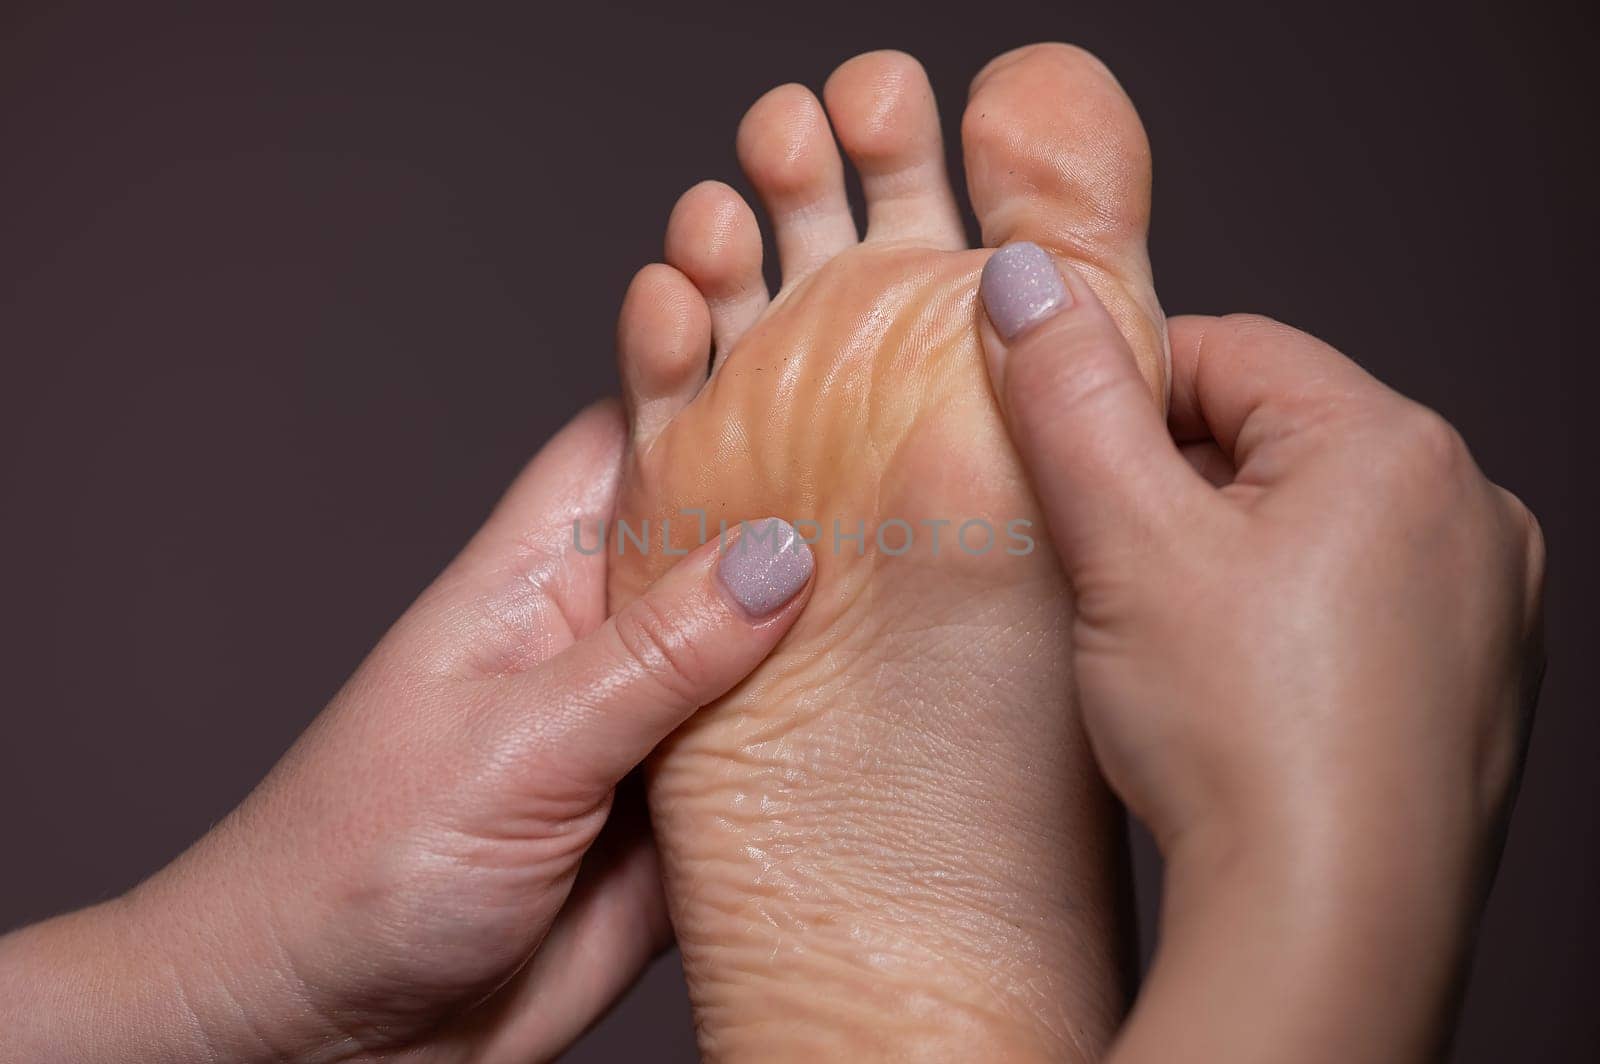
x: 891, y: 840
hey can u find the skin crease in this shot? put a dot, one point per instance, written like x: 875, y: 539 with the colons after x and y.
x: 1324, y: 730
x: 405, y: 884
x: 1306, y: 655
x: 891, y: 837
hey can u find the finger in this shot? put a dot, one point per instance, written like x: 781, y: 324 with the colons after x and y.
x: 613, y: 924
x: 594, y: 711
x: 1081, y: 415
x: 573, y: 476
x: 1247, y: 381
x: 518, y: 593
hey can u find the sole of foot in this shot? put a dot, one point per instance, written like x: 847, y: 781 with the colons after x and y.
x: 891, y: 839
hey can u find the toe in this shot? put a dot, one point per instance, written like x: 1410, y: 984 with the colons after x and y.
x: 788, y: 153
x: 1055, y: 154
x: 884, y: 113
x: 663, y: 344
x: 713, y: 238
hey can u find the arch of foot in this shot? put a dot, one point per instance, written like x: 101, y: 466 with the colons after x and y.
x: 892, y: 834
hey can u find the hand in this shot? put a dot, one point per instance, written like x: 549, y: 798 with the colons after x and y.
x: 1307, y: 659
x: 385, y: 887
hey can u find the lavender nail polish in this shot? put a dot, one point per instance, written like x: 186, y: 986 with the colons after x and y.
x: 1021, y: 286
x: 766, y: 566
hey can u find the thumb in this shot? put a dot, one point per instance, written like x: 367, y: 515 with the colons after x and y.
x: 1094, y: 442
x: 605, y: 702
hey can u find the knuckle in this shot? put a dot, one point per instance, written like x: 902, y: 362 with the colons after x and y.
x: 660, y: 646
x: 1431, y: 441
x: 1533, y: 540
x: 1537, y: 550
x: 1416, y: 448
x: 1523, y: 542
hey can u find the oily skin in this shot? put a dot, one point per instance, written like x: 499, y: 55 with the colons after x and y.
x: 1307, y: 659
x: 1306, y: 656
x: 892, y: 833
x: 405, y: 883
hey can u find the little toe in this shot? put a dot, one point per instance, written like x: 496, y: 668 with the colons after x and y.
x: 1056, y: 154
x: 663, y: 347
x: 713, y: 238
x: 884, y: 113
x: 788, y: 152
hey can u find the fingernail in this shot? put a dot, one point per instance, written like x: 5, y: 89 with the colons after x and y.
x: 1021, y: 286
x: 766, y: 566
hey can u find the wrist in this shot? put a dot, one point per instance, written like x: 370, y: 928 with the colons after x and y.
x: 144, y: 978
x: 215, y: 945
x: 83, y: 988
x: 1328, y: 943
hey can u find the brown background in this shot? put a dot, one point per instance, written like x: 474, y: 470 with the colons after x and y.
x: 288, y: 293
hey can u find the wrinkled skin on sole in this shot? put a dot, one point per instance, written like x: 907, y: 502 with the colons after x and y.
x: 891, y: 839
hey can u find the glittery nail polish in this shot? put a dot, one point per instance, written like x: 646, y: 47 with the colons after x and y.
x: 766, y: 566
x: 1021, y: 286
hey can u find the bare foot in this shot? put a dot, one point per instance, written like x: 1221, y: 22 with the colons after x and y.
x: 891, y: 840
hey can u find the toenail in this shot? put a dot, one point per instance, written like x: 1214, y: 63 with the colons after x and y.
x: 1021, y: 286
x: 766, y: 566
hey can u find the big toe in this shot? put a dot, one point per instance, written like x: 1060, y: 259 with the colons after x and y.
x: 1055, y: 154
